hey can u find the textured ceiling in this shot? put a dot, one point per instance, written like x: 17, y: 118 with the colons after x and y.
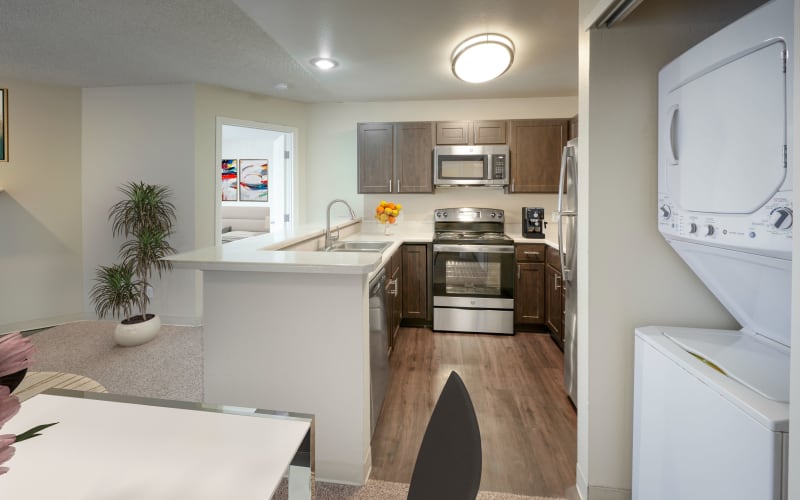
x: 387, y: 50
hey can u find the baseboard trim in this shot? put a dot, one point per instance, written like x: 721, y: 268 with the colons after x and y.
x: 182, y: 320
x: 36, y: 324
x: 606, y: 493
x: 342, y: 473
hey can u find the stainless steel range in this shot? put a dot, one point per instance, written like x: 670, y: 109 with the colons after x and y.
x: 473, y: 271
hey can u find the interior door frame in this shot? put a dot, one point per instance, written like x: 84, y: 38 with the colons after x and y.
x: 291, y: 183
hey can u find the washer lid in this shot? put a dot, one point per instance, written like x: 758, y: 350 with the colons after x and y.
x: 755, y: 289
x: 758, y: 364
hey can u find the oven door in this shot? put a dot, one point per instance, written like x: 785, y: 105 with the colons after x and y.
x: 473, y: 288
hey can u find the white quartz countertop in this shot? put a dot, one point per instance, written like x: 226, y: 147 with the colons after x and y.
x: 262, y: 253
x: 518, y: 238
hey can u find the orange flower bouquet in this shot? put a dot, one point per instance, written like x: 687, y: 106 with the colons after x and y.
x: 386, y: 213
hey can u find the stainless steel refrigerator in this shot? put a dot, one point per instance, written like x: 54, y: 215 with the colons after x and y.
x: 567, y: 246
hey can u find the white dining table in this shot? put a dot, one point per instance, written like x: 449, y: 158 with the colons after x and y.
x: 109, y: 446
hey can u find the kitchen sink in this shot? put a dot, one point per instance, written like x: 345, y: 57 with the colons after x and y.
x: 359, y: 246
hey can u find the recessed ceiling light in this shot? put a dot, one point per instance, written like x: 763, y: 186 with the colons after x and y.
x: 281, y: 86
x: 324, y: 63
x: 482, y: 57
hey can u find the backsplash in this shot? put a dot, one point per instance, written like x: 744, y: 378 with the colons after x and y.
x: 417, y: 212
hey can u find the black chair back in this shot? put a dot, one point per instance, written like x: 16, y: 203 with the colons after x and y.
x: 448, y: 465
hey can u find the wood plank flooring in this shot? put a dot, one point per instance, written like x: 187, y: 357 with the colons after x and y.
x: 528, y: 426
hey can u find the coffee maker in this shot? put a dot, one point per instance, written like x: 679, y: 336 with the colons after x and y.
x: 533, y: 223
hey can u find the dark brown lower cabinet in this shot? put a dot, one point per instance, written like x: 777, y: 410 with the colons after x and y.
x: 529, y: 294
x: 394, y: 296
x: 554, y: 300
x: 554, y: 296
x: 416, y: 282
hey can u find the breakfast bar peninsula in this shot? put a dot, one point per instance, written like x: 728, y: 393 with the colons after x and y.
x: 285, y: 326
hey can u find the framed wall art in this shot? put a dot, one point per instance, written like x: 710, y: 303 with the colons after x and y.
x: 230, y: 180
x: 254, y: 180
x: 4, y: 124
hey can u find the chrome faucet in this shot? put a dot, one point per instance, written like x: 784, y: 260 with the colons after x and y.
x: 328, y: 238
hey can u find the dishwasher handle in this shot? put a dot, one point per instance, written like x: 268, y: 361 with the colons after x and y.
x: 377, y: 283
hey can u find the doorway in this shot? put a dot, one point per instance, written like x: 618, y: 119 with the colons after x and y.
x: 255, y: 169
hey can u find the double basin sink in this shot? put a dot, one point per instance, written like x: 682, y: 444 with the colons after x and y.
x: 358, y: 246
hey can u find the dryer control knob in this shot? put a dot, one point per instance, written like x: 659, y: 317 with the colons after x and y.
x: 709, y: 230
x: 692, y: 228
x: 665, y: 211
x: 781, y: 218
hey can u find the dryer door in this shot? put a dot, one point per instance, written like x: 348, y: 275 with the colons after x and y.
x: 725, y: 133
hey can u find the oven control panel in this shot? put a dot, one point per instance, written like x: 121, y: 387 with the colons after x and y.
x: 469, y: 214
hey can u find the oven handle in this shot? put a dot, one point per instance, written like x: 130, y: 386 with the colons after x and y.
x: 474, y: 248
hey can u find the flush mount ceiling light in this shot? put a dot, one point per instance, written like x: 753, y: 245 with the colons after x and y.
x: 324, y: 63
x: 482, y: 57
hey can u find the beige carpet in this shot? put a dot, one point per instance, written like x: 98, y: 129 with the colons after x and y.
x: 383, y: 490
x: 168, y: 367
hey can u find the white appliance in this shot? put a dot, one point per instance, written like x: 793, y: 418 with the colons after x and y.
x: 711, y: 407
x: 567, y: 248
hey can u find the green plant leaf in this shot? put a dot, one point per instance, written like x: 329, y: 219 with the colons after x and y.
x: 32, y: 432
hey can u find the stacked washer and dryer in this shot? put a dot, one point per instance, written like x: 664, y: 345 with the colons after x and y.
x: 711, y: 407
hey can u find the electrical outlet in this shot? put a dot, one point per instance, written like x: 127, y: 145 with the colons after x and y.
x: 149, y: 292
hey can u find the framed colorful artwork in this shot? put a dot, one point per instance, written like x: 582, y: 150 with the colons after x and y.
x: 254, y: 180
x: 4, y: 124
x: 230, y: 180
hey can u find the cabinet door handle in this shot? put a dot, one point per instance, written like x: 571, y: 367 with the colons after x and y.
x: 390, y: 185
x: 512, y: 185
x: 557, y: 282
x: 394, y: 285
x: 531, y: 253
x: 398, y: 185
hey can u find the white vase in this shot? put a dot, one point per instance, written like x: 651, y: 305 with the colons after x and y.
x: 129, y: 335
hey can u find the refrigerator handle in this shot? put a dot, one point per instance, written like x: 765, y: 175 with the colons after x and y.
x: 561, y: 180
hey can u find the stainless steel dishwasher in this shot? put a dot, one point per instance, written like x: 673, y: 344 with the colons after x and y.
x: 378, y: 346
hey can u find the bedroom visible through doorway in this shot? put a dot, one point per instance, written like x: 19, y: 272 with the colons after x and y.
x: 255, y: 170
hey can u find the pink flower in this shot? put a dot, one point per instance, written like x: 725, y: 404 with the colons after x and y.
x: 6, y: 450
x: 16, y: 353
x: 9, y: 405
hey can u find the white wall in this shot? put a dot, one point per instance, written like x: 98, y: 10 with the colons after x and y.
x: 628, y: 275
x: 143, y: 133
x: 331, y: 170
x: 40, y: 209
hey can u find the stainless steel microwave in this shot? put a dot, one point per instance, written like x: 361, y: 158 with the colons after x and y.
x: 470, y: 165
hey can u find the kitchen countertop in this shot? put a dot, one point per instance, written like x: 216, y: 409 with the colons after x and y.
x: 263, y: 253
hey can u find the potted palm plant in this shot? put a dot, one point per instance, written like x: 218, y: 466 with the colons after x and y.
x: 145, y: 217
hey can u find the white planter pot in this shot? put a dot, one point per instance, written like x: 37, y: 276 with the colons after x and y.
x: 137, y: 333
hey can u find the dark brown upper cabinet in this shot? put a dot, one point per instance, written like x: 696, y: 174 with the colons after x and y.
x: 573, y: 128
x: 489, y: 132
x: 395, y: 157
x: 413, y: 157
x: 471, y: 132
x: 375, y: 157
x: 535, y: 148
x: 453, y: 133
